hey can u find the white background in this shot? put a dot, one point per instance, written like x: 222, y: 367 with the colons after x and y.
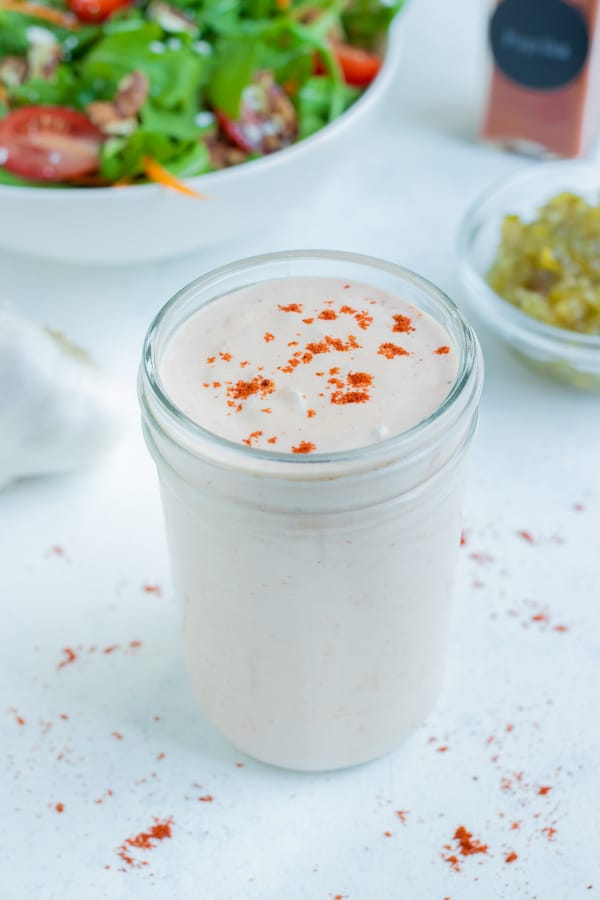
x: 268, y: 834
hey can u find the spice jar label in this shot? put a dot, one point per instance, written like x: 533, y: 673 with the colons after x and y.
x: 540, y: 44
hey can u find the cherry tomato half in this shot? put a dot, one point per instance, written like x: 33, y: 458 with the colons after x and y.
x: 359, y: 67
x: 267, y: 120
x: 96, y: 10
x: 49, y: 143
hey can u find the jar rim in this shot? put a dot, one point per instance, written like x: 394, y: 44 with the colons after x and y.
x: 468, y: 379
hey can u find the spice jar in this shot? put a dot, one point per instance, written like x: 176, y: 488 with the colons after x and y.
x: 544, y: 96
x: 314, y: 589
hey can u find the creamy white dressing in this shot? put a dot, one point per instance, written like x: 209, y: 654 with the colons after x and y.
x: 308, y: 365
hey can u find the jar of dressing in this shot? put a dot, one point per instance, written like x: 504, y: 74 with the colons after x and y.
x: 309, y: 414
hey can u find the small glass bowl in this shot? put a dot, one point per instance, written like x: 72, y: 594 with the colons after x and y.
x: 557, y: 352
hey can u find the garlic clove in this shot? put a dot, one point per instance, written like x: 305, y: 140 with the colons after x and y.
x: 58, y: 410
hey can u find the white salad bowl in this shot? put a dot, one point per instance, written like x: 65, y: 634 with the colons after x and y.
x: 149, y: 222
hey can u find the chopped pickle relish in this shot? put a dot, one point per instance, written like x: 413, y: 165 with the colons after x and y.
x: 549, y: 267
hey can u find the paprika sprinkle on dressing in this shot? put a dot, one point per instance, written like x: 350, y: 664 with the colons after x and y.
x: 288, y: 331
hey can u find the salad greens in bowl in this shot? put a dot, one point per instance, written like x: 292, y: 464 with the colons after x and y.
x: 100, y: 97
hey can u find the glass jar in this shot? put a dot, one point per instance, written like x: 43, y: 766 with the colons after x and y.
x: 315, y: 590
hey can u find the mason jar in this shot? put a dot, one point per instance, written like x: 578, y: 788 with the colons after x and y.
x: 314, y: 590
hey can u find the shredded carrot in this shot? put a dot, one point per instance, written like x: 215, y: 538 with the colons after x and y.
x: 160, y: 175
x: 38, y: 11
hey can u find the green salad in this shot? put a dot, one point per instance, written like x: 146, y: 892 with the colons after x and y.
x: 114, y: 92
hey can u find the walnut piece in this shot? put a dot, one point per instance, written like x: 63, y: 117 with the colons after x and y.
x: 104, y: 115
x: 13, y: 71
x: 43, y: 53
x: 119, y: 117
x: 170, y: 19
x: 223, y: 154
x: 132, y: 93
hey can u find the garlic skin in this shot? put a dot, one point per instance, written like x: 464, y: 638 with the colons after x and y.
x: 57, y: 409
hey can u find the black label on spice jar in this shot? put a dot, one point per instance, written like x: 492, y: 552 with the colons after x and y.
x: 539, y: 44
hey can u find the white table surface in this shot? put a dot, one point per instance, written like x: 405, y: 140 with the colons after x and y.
x: 520, y: 707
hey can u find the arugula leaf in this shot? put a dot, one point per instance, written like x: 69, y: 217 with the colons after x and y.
x: 122, y: 157
x: 312, y: 38
x: 117, y: 54
x: 366, y: 20
x: 166, y: 121
x: 259, y: 9
x: 288, y: 58
x: 76, y: 43
x: 13, y: 33
x: 195, y: 161
x: 185, y: 72
x: 175, y: 75
x: 129, y: 18
x: 235, y: 62
x: 59, y: 90
x: 314, y: 103
x: 219, y: 16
